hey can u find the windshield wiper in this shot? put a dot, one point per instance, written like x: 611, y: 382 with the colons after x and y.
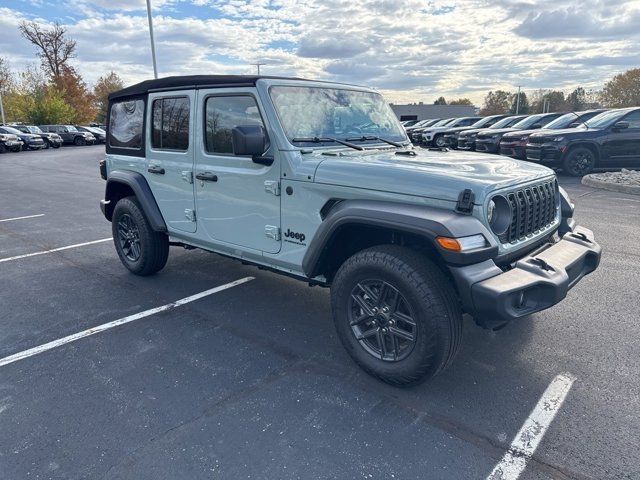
x: 327, y: 139
x: 364, y: 138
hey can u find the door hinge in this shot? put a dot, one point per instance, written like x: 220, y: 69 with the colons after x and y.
x: 187, y: 176
x: 190, y: 214
x: 272, y: 231
x: 272, y: 186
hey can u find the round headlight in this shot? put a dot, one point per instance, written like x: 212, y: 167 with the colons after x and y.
x: 491, y: 208
x: 499, y: 214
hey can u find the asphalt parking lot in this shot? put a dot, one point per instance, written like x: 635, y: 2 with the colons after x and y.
x: 251, y: 381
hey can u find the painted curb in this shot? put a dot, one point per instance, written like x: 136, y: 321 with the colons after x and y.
x: 591, y: 181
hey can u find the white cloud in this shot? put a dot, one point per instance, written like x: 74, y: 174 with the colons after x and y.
x: 411, y: 50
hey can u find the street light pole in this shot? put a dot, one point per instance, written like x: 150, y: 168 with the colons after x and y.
x: 2, y: 108
x: 153, y: 44
x: 258, y: 65
x: 518, y: 102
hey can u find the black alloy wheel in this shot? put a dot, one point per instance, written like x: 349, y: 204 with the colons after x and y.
x: 381, y: 320
x: 129, y: 237
x: 580, y: 162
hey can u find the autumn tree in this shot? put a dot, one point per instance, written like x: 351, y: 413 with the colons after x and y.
x: 577, y: 100
x: 54, y: 48
x: 623, y: 90
x: 440, y: 101
x: 521, y: 108
x: 496, y: 103
x: 76, y: 94
x: 461, y: 101
x: 548, y: 101
x: 50, y: 107
x: 105, y: 85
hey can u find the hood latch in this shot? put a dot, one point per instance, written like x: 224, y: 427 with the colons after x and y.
x: 465, y: 201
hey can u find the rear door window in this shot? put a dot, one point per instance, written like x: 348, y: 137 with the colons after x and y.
x: 170, y: 123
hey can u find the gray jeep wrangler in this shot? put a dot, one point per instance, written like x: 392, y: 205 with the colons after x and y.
x: 319, y: 181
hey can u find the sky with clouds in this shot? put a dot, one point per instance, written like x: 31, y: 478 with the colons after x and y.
x: 411, y: 50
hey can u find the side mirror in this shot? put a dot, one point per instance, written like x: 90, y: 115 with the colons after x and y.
x: 65, y: 130
x: 536, y: 125
x: 621, y: 125
x: 250, y: 140
x: 575, y: 124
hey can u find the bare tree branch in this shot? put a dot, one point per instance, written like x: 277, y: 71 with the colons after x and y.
x: 54, y: 49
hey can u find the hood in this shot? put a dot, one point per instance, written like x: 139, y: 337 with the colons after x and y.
x: 496, y: 131
x: 439, y: 175
x: 471, y: 131
x: 435, y: 129
x: 518, y: 133
x: 457, y: 129
x: 28, y: 136
x: 566, y: 131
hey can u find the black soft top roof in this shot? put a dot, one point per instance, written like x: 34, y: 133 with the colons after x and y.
x: 191, y: 81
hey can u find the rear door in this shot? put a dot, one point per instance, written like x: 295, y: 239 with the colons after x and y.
x: 238, y: 200
x: 169, y: 154
x: 622, y: 146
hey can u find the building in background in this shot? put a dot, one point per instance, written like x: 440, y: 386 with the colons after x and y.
x: 423, y: 111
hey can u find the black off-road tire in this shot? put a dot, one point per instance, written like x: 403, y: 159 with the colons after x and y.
x: 439, y: 141
x: 3, y: 148
x: 47, y: 144
x: 56, y: 145
x: 79, y: 141
x: 153, y: 246
x: 579, y: 162
x: 432, y: 300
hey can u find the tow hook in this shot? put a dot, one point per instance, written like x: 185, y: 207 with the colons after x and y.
x: 542, y: 264
x: 580, y: 236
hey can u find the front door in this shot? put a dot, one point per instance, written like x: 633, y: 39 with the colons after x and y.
x: 622, y: 146
x: 169, y: 152
x: 237, y: 200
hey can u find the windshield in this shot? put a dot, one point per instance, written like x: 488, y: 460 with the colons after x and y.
x: 308, y: 112
x: 34, y: 129
x: 71, y: 128
x: 605, y: 119
x: 564, y: 121
x: 15, y: 131
x: 442, y: 123
x: 482, y: 122
x: 526, y: 122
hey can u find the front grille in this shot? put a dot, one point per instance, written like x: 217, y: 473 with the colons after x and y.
x: 536, y: 140
x: 532, y: 209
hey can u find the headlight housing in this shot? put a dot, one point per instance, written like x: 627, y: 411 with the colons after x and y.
x: 499, y: 214
x: 557, y: 139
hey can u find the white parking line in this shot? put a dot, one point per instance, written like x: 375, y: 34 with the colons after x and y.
x: 21, y: 218
x: 530, y: 435
x: 59, y: 249
x: 116, y: 323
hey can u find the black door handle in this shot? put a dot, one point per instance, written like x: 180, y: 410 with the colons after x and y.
x: 157, y: 170
x: 207, y: 177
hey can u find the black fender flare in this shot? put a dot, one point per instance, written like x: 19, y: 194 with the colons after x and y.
x: 424, y: 221
x: 585, y: 143
x: 138, y: 184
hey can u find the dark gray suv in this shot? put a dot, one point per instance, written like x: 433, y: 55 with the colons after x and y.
x: 70, y: 134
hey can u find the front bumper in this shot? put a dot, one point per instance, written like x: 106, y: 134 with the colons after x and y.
x: 451, y: 141
x: 466, y: 143
x: 544, y: 153
x: 13, y: 144
x: 535, y: 282
x: 487, y: 146
x: 513, y: 149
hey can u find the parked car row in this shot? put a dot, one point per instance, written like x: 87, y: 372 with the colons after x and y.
x: 577, y: 142
x: 18, y: 137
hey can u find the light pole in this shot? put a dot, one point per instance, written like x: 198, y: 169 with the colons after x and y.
x: 518, y: 101
x: 153, y: 45
x: 258, y: 65
x: 2, y: 108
